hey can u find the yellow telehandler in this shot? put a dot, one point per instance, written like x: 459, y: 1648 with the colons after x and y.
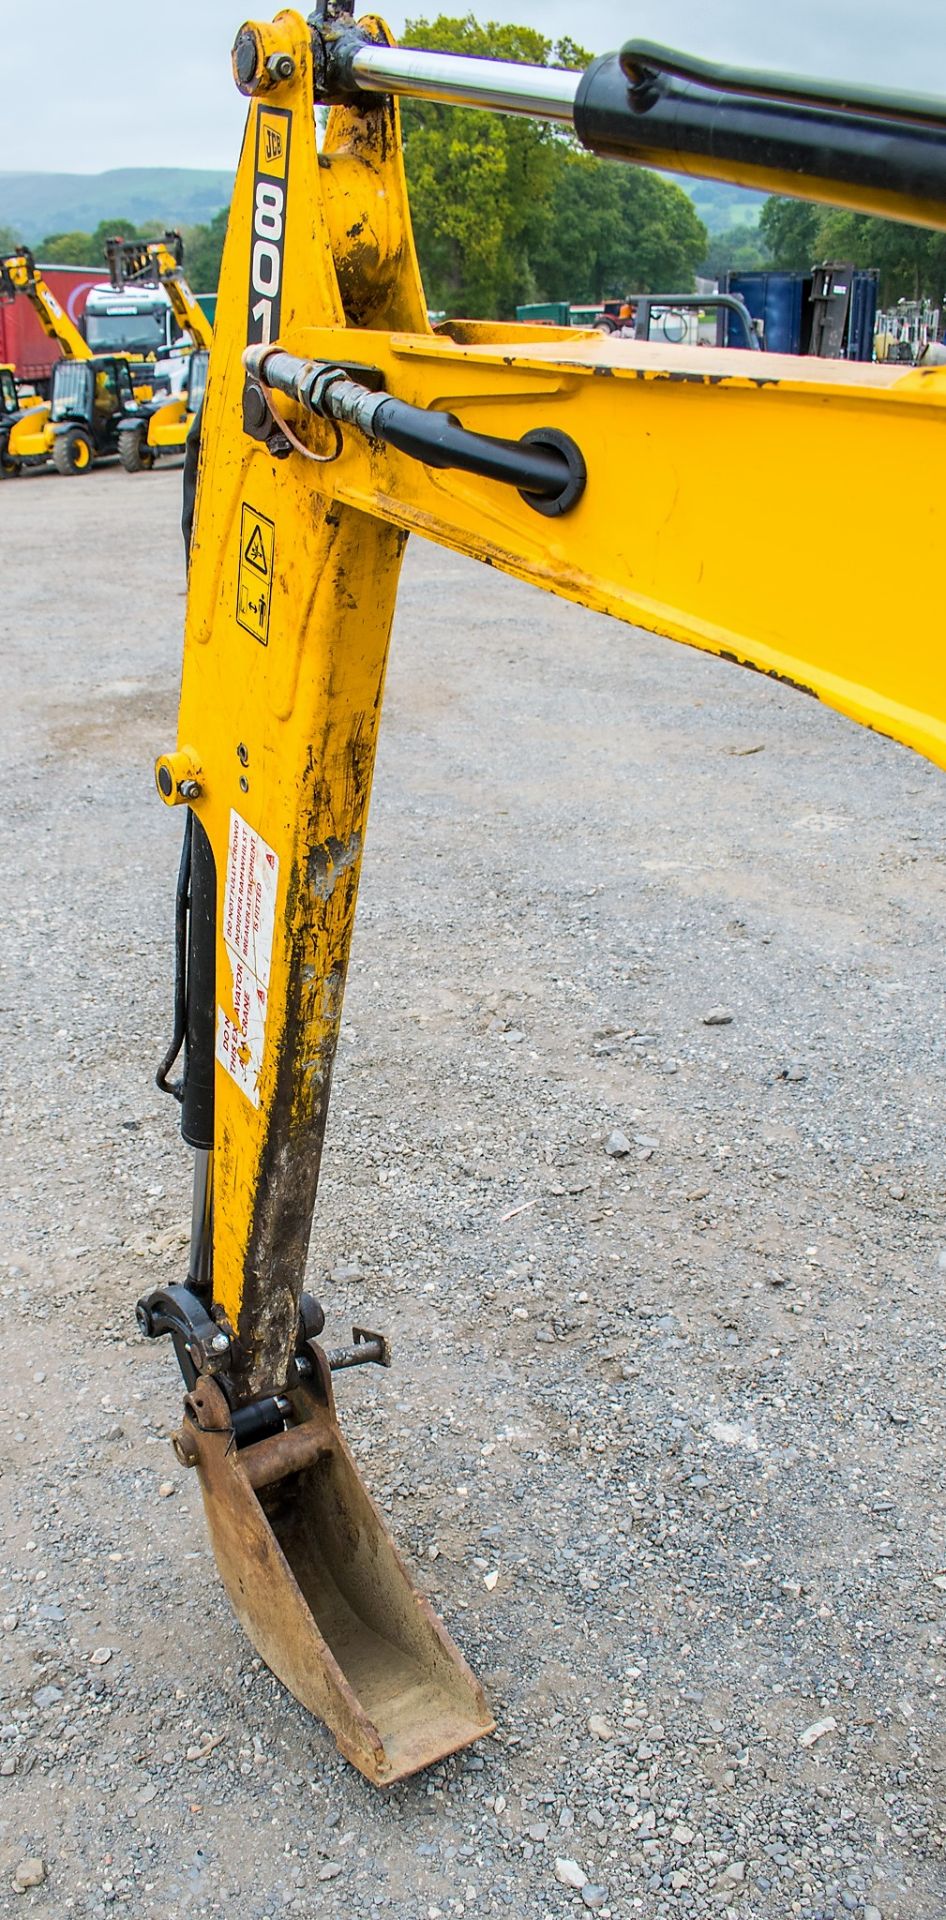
x: 162, y: 425
x: 336, y: 423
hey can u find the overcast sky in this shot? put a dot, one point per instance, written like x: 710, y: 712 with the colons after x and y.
x: 102, y: 88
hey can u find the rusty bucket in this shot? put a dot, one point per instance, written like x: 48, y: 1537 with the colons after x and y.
x: 320, y: 1588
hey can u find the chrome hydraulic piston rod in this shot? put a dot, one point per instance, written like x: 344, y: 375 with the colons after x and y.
x: 879, y: 152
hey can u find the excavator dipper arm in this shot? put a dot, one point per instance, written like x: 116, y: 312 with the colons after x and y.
x: 337, y: 422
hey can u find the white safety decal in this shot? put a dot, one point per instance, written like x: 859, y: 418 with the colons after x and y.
x: 249, y: 919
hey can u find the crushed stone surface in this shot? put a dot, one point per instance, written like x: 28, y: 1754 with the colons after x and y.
x: 635, y: 1154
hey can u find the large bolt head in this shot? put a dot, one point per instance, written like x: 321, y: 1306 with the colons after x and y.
x: 256, y: 416
x: 246, y: 60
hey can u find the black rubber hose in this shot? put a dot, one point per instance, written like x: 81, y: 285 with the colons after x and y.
x: 643, y: 59
x: 197, y: 1115
x: 180, y: 968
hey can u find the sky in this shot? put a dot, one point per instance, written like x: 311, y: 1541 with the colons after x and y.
x: 85, y: 105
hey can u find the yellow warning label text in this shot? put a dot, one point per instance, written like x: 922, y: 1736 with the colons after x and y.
x: 255, y: 573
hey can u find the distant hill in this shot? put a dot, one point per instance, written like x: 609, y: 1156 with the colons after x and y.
x: 37, y: 204
x: 720, y: 206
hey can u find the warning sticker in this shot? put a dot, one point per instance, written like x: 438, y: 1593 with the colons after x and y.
x: 255, y: 573
x: 240, y: 1042
x: 249, y: 919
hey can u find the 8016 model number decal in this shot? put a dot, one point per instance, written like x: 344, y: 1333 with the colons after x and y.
x: 273, y: 129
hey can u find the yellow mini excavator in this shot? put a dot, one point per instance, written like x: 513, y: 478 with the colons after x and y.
x: 89, y: 393
x: 336, y: 423
x: 162, y: 425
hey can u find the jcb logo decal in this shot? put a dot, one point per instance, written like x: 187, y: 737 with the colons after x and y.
x: 272, y: 141
x: 269, y: 222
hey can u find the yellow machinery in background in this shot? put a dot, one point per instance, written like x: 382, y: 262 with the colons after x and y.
x: 88, y: 392
x: 28, y: 439
x: 336, y: 423
x: 163, y: 425
x: 20, y: 274
x: 16, y: 401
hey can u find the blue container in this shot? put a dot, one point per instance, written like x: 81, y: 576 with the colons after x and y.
x: 862, y: 314
x: 779, y: 300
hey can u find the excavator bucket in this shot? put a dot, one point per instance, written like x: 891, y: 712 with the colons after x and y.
x: 320, y: 1588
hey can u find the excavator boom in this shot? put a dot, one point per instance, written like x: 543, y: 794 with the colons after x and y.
x: 336, y: 423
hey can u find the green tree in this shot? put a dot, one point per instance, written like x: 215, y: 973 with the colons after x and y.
x: 68, y: 249
x: 912, y: 260
x: 789, y: 229
x: 86, y: 249
x: 615, y: 230
x: 481, y: 185
x: 203, y: 251
x: 738, y: 250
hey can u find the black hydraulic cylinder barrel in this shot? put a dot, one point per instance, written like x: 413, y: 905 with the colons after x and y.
x: 197, y: 1107
x: 860, y: 155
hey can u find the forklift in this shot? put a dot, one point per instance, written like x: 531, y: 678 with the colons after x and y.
x: 572, y: 460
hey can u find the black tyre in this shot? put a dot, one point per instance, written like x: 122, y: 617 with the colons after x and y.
x: 134, y: 452
x: 8, y: 468
x: 72, y: 452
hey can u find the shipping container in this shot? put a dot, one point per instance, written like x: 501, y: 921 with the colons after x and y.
x: 779, y: 300
x: 23, y: 344
x: 828, y: 312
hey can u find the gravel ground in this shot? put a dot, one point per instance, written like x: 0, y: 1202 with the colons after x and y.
x: 665, y: 1291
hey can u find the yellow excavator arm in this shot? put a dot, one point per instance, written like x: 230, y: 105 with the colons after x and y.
x: 336, y: 423
x: 19, y: 274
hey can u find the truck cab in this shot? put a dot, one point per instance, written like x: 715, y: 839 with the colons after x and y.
x: 137, y: 320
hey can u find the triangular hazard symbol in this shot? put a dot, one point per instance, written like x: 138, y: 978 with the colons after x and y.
x: 255, y: 552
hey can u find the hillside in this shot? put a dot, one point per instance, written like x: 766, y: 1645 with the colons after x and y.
x: 720, y: 206
x: 36, y: 204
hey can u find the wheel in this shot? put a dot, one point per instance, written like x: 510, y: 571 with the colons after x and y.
x: 72, y: 452
x: 134, y: 452
x: 8, y: 468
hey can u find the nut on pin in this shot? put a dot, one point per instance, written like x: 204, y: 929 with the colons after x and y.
x: 178, y: 777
